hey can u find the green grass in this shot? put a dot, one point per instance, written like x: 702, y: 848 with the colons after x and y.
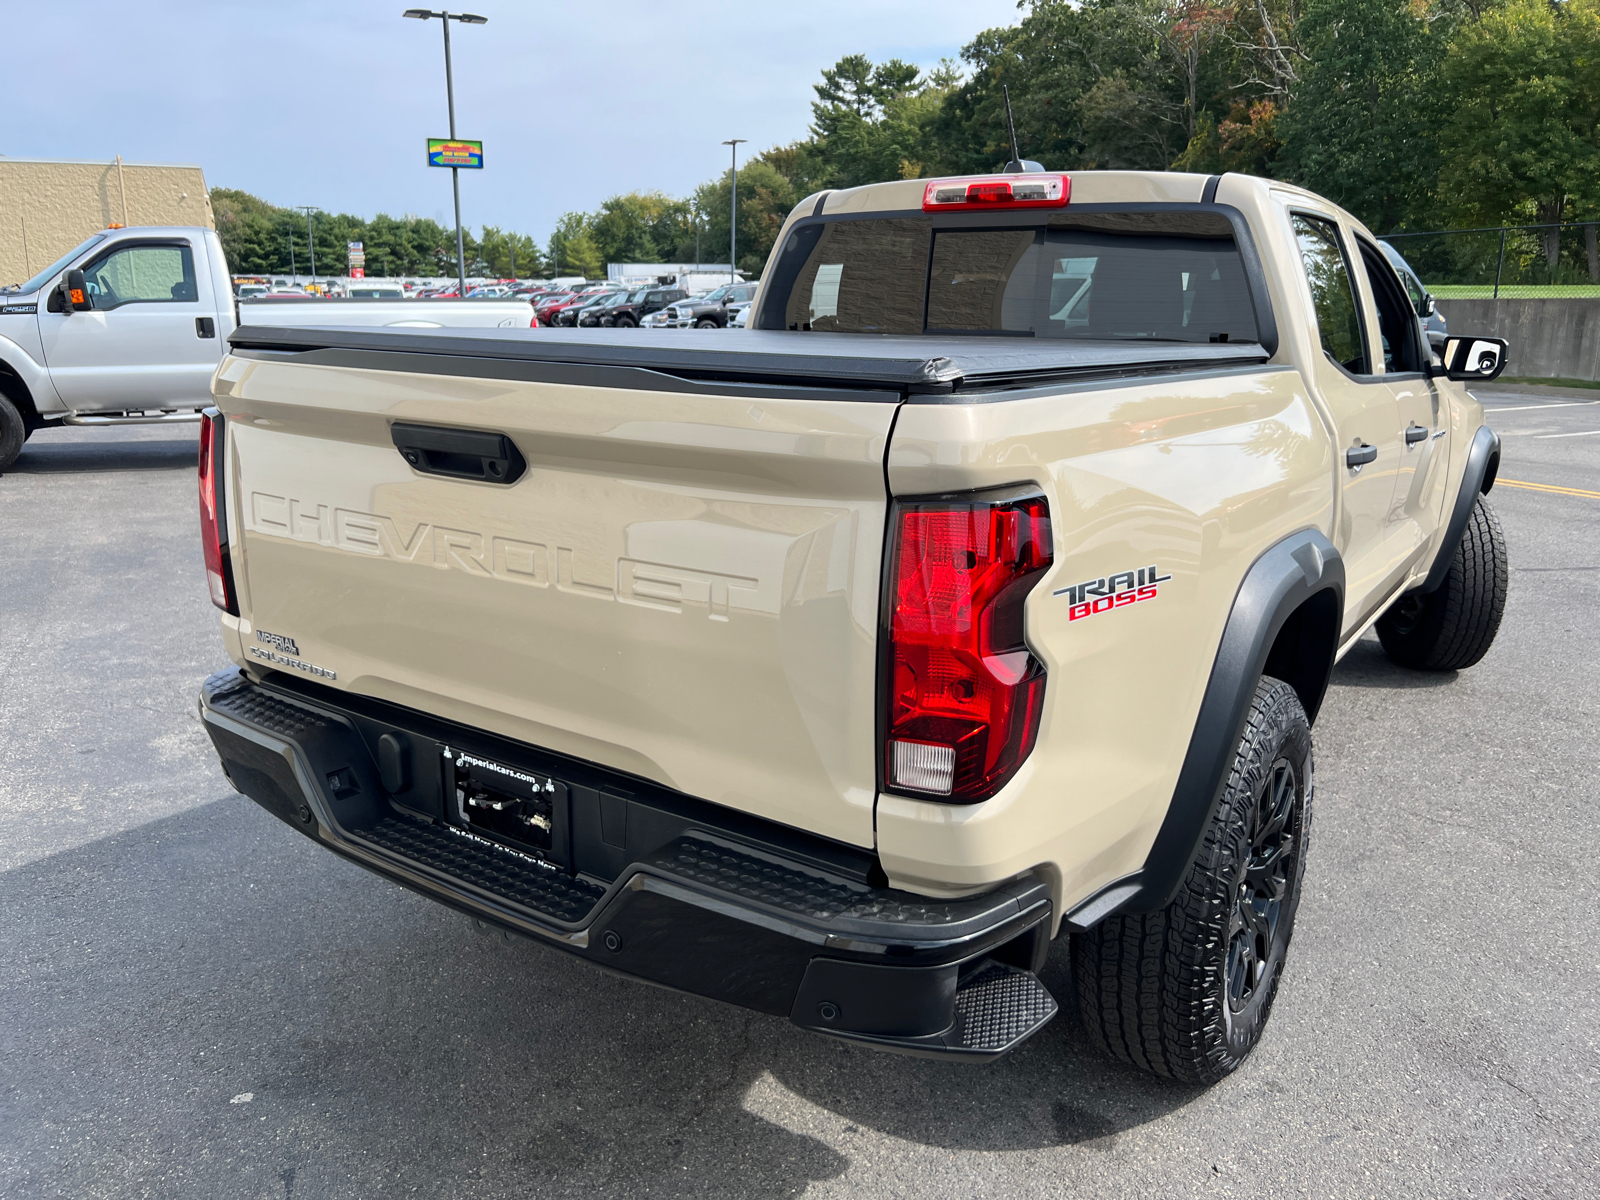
x: 1517, y: 291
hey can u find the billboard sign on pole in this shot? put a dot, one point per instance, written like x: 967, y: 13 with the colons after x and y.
x: 455, y: 152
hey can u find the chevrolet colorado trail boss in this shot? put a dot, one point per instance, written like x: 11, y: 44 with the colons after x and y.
x: 985, y: 592
x: 128, y: 328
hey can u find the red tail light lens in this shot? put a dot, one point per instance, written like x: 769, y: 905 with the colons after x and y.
x: 965, y: 693
x: 213, y: 514
x: 1033, y: 190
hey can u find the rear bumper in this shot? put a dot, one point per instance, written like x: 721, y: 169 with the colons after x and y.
x: 643, y: 881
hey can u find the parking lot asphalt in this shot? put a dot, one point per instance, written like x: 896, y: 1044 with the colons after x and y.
x: 197, y: 1002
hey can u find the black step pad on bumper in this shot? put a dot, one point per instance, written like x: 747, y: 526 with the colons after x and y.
x: 494, y: 870
x: 642, y: 880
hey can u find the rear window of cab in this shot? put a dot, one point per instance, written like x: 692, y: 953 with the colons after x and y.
x: 1161, y: 276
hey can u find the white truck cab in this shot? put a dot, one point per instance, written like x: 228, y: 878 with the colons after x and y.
x: 130, y: 325
x: 144, y: 332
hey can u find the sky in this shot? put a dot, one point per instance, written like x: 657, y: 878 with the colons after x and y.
x: 330, y: 103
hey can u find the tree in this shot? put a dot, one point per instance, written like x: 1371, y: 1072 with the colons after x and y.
x: 572, y: 247
x: 1361, y: 125
x: 766, y: 198
x: 1521, y: 137
x: 507, y: 255
x: 872, y: 122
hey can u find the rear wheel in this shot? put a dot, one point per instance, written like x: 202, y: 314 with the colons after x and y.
x: 13, y: 432
x: 1453, y: 626
x: 1185, y: 992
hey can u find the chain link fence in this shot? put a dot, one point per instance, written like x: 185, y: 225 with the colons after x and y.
x: 1506, y: 261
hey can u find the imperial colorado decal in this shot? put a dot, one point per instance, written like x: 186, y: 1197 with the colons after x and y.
x: 1095, y: 596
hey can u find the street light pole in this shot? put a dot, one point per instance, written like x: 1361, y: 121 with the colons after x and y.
x: 422, y: 14
x: 733, y: 225
x: 311, y: 245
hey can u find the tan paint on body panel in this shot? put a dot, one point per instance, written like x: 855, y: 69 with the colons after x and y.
x: 682, y: 587
x: 1194, y: 476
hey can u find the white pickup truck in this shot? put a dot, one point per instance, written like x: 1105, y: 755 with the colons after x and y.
x: 129, y: 326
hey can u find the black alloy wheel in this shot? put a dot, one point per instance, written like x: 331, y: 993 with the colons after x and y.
x: 1255, y: 949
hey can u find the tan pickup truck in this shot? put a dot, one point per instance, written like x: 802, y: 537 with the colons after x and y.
x: 983, y: 592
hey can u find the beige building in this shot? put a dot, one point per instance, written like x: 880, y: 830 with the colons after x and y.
x: 47, y: 207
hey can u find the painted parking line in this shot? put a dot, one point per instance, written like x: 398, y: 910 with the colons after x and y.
x: 1574, y: 433
x: 1545, y: 487
x: 1530, y: 407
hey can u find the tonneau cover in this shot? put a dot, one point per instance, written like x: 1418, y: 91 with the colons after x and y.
x: 908, y: 364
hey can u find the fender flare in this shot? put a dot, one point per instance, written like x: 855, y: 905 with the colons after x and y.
x: 1289, y: 576
x: 1483, y: 464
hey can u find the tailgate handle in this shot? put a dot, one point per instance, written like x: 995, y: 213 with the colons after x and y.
x: 458, y: 453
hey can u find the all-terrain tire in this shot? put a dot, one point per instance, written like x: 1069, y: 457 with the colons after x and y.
x: 1185, y: 992
x: 1452, y: 627
x: 13, y: 432
x: 626, y: 323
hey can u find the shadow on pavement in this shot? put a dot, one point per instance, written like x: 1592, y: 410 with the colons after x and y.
x: 68, y: 457
x: 1367, y: 666
x: 153, y: 979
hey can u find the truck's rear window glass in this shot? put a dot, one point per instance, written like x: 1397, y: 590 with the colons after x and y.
x: 1161, y: 276
x: 863, y: 277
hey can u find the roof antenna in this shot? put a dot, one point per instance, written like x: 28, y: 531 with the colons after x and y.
x: 1018, y: 165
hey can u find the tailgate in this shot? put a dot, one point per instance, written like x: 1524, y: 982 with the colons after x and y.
x: 683, y: 584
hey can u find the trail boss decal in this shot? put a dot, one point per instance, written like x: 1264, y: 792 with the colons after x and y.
x: 1094, y: 596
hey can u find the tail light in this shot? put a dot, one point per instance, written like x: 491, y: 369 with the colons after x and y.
x: 214, y: 514
x: 965, y: 693
x: 1033, y: 190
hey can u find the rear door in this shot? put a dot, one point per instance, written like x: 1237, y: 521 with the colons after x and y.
x: 682, y: 584
x: 1365, y: 412
x: 150, y: 339
x: 1417, y: 502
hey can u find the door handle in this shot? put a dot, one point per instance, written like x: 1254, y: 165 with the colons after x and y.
x: 1415, y: 434
x: 205, y: 327
x: 1359, y: 456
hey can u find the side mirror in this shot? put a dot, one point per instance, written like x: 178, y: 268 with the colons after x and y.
x: 77, y: 293
x: 1429, y: 306
x: 1474, y: 359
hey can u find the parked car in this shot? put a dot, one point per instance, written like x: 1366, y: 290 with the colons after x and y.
x: 741, y: 319
x: 711, y: 311
x: 361, y: 289
x: 642, y: 303
x: 246, y: 290
x: 567, y: 314
x: 1427, y: 307
x: 600, y: 312
x: 544, y: 307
